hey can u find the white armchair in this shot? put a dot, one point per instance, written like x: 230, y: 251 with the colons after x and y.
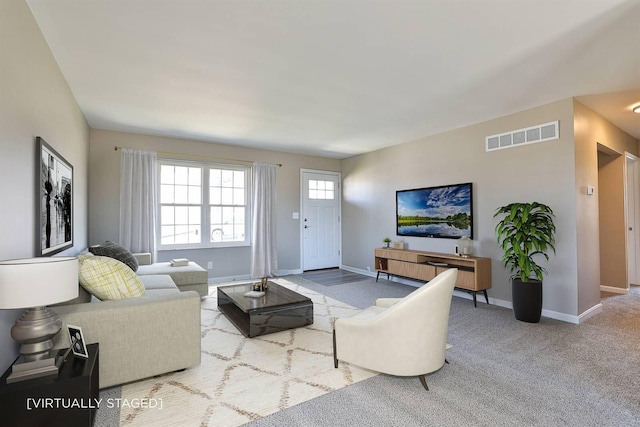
x: 399, y: 336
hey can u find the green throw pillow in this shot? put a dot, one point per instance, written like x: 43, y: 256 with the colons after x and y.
x: 114, y: 250
x: 108, y: 279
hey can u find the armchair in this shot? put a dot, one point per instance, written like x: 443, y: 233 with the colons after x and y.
x: 399, y: 336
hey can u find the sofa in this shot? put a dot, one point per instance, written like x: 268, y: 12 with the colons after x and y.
x: 140, y: 337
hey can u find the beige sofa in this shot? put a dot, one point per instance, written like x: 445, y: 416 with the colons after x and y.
x: 139, y: 337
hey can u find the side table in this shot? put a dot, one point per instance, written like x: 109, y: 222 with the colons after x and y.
x: 70, y: 399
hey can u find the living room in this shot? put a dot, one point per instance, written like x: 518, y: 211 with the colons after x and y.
x: 37, y: 101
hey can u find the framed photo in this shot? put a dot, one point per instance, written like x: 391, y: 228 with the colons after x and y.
x: 54, y: 200
x: 76, y: 340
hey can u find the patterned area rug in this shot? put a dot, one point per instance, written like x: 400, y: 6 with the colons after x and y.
x: 243, y: 379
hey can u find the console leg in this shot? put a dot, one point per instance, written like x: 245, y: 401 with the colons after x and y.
x: 377, y: 275
x: 475, y: 304
x: 486, y: 296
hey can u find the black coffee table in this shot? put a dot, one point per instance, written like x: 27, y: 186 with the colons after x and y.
x: 279, y: 309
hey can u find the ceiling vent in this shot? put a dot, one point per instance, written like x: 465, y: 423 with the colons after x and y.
x: 531, y: 135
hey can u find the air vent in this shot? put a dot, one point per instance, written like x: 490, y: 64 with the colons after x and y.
x: 531, y: 135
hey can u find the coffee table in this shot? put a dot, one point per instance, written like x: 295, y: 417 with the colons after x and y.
x: 279, y: 309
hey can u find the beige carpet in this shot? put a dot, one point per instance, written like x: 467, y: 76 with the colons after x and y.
x: 242, y: 379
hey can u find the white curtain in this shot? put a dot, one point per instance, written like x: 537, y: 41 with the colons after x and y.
x: 264, y: 254
x: 138, y: 200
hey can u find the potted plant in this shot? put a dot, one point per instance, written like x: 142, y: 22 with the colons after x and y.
x: 525, y: 233
x: 386, y: 241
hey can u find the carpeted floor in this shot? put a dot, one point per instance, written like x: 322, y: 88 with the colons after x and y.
x: 333, y: 276
x: 501, y: 373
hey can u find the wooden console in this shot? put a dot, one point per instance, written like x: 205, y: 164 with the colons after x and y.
x: 474, y: 273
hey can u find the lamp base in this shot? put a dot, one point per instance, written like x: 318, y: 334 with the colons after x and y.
x: 22, y: 370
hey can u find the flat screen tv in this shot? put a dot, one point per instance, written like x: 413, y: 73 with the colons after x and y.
x: 443, y: 212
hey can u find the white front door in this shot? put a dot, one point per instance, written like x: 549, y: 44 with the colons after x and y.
x: 320, y: 220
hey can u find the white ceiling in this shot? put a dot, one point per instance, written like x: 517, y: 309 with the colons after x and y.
x: 338, y: 78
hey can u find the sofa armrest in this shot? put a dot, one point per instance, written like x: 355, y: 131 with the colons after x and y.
x: 139, y: 337
x: 144, y: 258
x: 386, y: 302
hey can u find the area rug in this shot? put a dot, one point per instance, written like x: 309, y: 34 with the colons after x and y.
x: 243, y: 379
x: 333, y: 276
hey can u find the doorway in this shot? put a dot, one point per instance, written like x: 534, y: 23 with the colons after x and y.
x: 632, y: 210
x: 320, y: 221
x: 613, y: 230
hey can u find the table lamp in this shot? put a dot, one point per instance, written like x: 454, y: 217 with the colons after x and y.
x: 34, y: 283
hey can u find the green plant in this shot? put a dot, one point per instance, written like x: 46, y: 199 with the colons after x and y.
x: 525, y: 231
x: 386, y: 240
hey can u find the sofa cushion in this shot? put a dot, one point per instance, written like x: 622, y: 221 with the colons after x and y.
x: 158, y: 281
x: 108, y: 279
x: 115, y: 251
x: 191, y: 274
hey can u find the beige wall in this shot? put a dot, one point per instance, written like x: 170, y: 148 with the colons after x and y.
x: 34, y: 101
x: 227, y: 262
x: 543, y: 172
x: 592, y: 129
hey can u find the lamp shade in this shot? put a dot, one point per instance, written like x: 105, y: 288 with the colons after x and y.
x: 34, y: 282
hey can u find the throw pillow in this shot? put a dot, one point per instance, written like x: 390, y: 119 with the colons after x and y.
x: 115, y: 251
x: 108, y: 279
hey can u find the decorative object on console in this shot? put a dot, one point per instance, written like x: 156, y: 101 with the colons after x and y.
x: 525, y: 231
x: 386, y: 242
x: 398, y: 245
x: 465, y: 247
x: 36, y: 283
x: 54, y: 200
x: 444, y: 211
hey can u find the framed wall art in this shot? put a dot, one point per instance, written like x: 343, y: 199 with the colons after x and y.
x: 54, y: 200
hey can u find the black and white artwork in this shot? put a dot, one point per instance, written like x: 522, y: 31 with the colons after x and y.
x: 55, y: 199
x: 76, y: 341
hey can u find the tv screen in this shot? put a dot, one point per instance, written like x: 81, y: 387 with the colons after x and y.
x: 443, y: 212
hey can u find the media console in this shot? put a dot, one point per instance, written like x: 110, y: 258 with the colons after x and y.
x: 474, y: 273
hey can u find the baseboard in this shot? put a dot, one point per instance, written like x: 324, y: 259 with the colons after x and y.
x: 596, y: 309
x: 613, y: 290
x: 480, y: 298
x: 358, y: 270
x: 214, y: 280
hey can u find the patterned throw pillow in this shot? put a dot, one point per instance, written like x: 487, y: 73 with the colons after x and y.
x: 115, y: 251
x: 108, y: 278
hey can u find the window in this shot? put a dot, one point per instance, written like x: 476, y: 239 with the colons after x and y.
x: 321, y: 189
x: 203, y: 205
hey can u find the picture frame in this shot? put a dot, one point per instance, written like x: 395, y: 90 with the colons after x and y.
x: 55, y: 200
x: 76, y: 341
x: 444, y: 211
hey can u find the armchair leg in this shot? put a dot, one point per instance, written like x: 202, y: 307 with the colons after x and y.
x: 335, y: 354
x: 423, y: 381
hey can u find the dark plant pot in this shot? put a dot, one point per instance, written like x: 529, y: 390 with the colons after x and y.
x: 527, y: 300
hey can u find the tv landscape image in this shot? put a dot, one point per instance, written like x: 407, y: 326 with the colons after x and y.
x: 441, y: 212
